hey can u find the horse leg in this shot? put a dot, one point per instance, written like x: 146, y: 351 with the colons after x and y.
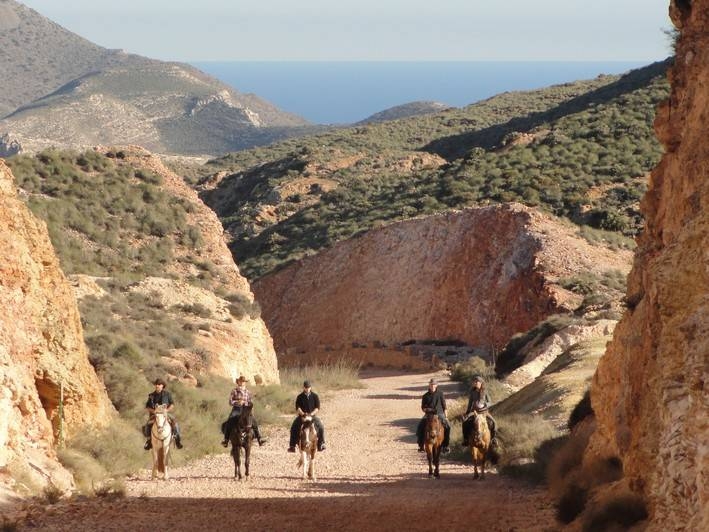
x: 163, y: 462
x: 155, y: 463
x: 429, y: 456
x: 312, y: 463
x: 247, y: 455
x: 436, y: 462
x: 482, y: 466
x: 305, y: 463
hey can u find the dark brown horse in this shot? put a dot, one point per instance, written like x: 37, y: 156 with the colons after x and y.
x: 241, y: 437
x: 479, y: 442
x: 433, y: 439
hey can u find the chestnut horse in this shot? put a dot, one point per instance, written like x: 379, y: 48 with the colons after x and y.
x: 241, y: 437
x: 479, y: 442
x: 307, y: 447
x: 433, y: 440
x: 161, y: 438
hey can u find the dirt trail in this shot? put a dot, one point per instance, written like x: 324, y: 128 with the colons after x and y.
x: 370, y: 478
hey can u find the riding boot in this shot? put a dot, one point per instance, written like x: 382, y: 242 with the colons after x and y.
x: 148, y: 445
x: 178, y: 443
x: 446, y: 439
x: 493, y: 430
x: 294, y: 430
x: 420, y: 430
x: 257, y: 435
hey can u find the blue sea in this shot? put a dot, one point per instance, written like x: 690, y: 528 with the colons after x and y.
x: 346, y: 92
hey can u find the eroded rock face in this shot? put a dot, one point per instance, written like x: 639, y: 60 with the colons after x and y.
x: 650, y: 390
x: 41, y: 348
x: 478, y: 275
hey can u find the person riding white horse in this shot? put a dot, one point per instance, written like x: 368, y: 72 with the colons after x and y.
x: 161, y: 397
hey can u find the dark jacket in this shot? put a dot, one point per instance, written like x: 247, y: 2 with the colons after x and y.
x: 475, y: 396
x: 434, y: 400
x: 159, y: 398
x: 307, y: 402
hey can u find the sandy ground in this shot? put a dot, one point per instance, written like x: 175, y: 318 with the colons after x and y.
x: 370, y: 478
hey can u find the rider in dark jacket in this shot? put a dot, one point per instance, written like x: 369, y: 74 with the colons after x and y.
x: 478, y: 400
x: 161, y: 397
x: 434, y: 400
x: 307, y: 402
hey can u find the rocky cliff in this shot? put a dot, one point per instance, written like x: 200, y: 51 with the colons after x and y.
x: 478, y: 275
x: 231, y: 341
x: 42, y: 351
x: 650, y: 390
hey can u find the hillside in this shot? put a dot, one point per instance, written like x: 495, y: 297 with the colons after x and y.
x: 406, y: 110
x: 59, y: 89
x: 159, y: 293
x: 579, y: 150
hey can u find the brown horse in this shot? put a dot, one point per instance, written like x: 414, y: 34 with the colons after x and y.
x: 479, y: 442
x: 241, y: 437
x: 433, y: 440
x: 307, y: 447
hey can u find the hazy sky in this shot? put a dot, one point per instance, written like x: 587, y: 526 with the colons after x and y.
x: 575, y: 30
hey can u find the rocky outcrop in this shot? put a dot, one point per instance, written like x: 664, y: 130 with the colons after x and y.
x: 233, y: 338
x: 541, y: 356
x: 478, y: 275
x: 650, y: 391
x: 42, y: 351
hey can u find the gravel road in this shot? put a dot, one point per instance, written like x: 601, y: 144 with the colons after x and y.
x: 370, y: 478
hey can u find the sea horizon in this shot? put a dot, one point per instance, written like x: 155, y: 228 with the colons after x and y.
x: 345, y: 92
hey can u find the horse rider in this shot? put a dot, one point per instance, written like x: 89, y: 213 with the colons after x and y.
x: 434, y: 400
x: 478, y: 400
x: 161, y: 397
x: 238, y: 398
x: 307, y: 402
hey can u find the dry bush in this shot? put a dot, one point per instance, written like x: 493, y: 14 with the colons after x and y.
x: 52, y: 494
x: 617, y: 513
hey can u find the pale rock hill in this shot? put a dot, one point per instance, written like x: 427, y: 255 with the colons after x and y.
x: 477, y: 275
x: 65, y: 91
x: 41, y: 349
x: 650, y: 391
x: 234, y: 344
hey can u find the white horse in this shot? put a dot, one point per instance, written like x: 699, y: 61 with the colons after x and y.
x: 308, y: 446
x: 161, y: 438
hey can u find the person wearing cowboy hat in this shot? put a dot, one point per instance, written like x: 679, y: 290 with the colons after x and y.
x: 478, y: 400
x: 434, y: 400
x: 160, y: 396
x: 239, y: 397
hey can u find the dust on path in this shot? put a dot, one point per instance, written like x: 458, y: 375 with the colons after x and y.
x: 370, y: 478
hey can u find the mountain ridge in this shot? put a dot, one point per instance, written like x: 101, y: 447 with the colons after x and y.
x: 62, y: 90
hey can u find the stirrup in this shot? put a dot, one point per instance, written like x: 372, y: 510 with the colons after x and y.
x: 291, y: 449
x: 225, y: 443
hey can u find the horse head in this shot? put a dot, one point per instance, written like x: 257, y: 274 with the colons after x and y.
x: 245, y: 420
x: 434, y: 427
x: 481, y: 433
x: 160, y: 418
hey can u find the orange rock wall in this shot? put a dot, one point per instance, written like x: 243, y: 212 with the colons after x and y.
x: 478, y: 275
x: 41, y: 343
x: 650, y: 390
